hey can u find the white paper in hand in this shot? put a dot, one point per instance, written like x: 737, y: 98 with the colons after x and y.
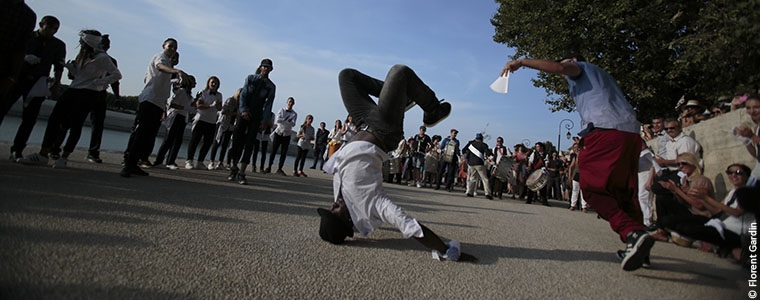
x: 501, y: 85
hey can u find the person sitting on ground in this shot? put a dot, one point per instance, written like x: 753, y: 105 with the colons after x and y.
x: 359, y: 199
x: 722, y: 234
x: 692, y: 190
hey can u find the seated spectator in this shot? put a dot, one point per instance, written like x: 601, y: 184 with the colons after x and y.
x: 646, y: 132
x: 692, y: 191
x: 739, y: 98
x: 722, y: 234
x: 749, y: 134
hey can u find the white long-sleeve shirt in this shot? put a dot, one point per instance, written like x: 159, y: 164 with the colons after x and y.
x: 357, y: 174
x: 285, y: 121
x: 94, y: 74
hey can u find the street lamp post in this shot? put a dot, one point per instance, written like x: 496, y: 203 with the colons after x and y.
x: 568, y: 125
x: 526, y: 142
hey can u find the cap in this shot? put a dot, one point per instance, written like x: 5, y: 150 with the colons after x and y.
x: 693, y: 103
x: 332, y: 229
x: 572, y: 55
x: 266, y: 63
x: 478, y: 136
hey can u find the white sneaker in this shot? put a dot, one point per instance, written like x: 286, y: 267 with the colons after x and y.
x: 189, y: 164
x: 34, y: 159
x: 212, y: 166
x: 200, y: 166
x: 60, y: 163
x: 172, y: 167
x: 419, y: 185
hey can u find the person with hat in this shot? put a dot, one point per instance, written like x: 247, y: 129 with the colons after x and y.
x: 360, y: 203
x: 610, y: 145
x: 254, y: 113
x: 450, y: 156
x: 477, y: 153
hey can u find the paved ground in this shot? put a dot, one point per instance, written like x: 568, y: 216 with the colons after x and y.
x: 85, y: 232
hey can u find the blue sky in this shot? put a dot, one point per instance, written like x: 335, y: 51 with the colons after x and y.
x: 448, y: 43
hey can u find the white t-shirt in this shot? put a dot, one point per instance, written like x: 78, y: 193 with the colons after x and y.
x: 358, y: 175
x: 157, y: 83
x: 208, y: 115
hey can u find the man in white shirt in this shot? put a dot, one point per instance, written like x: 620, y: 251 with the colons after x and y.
x: 361, y: 204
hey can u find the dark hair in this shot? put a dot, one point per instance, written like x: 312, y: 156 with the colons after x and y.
x: 745, y: 169
x: 263, y: 61
x: 170, y: 40
x: 105, y: 41
x: 85, y: 50
x: 208, y: 82
x: 50, y: 20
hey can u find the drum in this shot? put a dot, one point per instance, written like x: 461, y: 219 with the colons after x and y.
x: 504, y: 168
x: 394, y: 165
x: 537, y: 180
x: 431, y: 163
x: 332, y: 147
x: 448, y: 152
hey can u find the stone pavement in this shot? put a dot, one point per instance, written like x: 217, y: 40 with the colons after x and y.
x: 85, y: 232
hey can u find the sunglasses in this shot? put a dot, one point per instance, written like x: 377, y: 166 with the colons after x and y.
x: 680, y: 163
x: 734, y: 172
x: 671, y: 128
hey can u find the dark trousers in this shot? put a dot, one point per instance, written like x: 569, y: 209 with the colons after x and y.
x: 143, y: 137
x: 300, y: 159
x: 28, y: 120
x: 243, y: 138
x: 21, y: 88
x: 282, y: 142
x: 97, y: 121
x: 260, y: 147
x: 205, y: 131
x: 710, y: 234
x: 224, y: 142
x: 448, y: 172
x: 172, y: 142
x: 68, y: 116
x: 319, y: 152
x: 386, y: 117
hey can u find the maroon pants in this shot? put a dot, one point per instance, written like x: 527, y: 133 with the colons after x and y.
x: 608, y: 164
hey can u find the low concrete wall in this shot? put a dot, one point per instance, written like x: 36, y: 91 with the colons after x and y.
x: 720, y: 147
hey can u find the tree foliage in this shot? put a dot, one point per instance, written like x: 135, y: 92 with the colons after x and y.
x: 657, y: 50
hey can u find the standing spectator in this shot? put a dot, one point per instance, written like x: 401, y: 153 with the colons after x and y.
x: 255, y: 111
x: 305, y: 137
x: 175, y: 122
x: 555, y: 167
x: 432, y: 159
x: 422, y: 141
x: 575, y: 178
x: 152, y: 107
x: 43, y: 50
x: 207, y: 103
x: 476, y: 153
x: 17, y: 20
x: 225, y: 123
x: 450, y: 159
x: 336, y: 137
x: 500, y: 152
x: 609, y: 147
x: 348, y: 131
x: 98, y: 113
x: 750, y: 136
x: 284, y: 122
x: 646, y: 160
x: 261, y: 144
x: 320, y: 146
x: 93, y: 71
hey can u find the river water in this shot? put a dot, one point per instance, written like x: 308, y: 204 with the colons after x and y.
x: 113, y: 141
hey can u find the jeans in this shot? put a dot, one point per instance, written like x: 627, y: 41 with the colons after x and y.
x: 205, y: 131
x: 384, y: 119
x: 319, y: 152
x: 97, y: 119
x: 300, y: 159
x: 282, y: 142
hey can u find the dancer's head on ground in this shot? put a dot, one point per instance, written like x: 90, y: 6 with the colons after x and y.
x: 335, y: 224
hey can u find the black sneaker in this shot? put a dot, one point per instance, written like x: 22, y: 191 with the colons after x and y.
x: 233, y: 174
x: 94, y: 159
x: 645, y: 264
x: 638, y: 245
x: 54, y: 156
x: 137, y: 171
x: 241, y: 179
x: 440, y: 114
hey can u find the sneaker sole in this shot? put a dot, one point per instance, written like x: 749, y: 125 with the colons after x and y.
x: 439, y: 120
x: 641, y: 250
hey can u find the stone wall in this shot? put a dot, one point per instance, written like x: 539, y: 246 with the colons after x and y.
x: 720, y: 147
